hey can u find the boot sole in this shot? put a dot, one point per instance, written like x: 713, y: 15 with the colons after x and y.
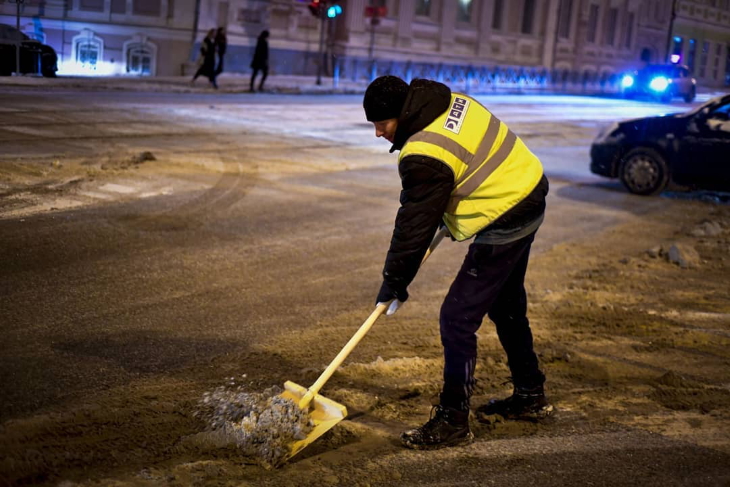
x: 536, y: 416
x: 455, y: 442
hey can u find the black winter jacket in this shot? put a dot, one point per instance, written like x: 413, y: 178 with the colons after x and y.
x: 427, y: 185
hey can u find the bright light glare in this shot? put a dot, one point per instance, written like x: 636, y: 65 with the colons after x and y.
x: 660, y: 83
x: 101, y: 68
x: 675, y: 58
x: 627, y: 81
x: 334, y: 11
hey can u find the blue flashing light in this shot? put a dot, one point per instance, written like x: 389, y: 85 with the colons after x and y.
x: 677, y: 39
x: 334, y: 11
x: 659, y: 84
x: 627, y: 81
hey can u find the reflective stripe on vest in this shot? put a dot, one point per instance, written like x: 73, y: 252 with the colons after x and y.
x: 493, y: 169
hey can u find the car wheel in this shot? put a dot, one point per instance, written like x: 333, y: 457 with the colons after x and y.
x: 644, y: 171
x: 689, y: 97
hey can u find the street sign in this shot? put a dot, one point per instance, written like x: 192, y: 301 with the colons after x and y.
x: 371, y: 11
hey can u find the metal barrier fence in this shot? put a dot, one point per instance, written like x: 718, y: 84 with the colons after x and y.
x: 480, y: 79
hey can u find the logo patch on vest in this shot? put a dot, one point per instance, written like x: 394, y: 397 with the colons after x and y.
x: 456, y: 115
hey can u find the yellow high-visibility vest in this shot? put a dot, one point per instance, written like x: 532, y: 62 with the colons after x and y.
x: 493, y: 169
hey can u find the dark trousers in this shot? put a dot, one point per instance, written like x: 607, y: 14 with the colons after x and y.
x: 265, y: 73
x: 490, y: 282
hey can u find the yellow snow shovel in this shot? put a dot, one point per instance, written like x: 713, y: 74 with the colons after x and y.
x: 325, y: 413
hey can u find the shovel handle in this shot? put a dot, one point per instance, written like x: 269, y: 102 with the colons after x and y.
x: 361, y: 332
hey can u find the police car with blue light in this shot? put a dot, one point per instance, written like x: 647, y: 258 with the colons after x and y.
x: 691, y: 149
x: 660, y: 81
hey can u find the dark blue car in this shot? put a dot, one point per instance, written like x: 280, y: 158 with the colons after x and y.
x: 690, y: 149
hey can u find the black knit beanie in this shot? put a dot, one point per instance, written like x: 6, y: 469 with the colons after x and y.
x: 384, y: 98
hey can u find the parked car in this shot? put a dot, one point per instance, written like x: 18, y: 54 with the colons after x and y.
x: 691, y: 149
x: 662, y: 81
x: 35, y: 57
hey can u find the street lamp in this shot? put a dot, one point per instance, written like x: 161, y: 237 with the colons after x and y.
x: 18, y: 3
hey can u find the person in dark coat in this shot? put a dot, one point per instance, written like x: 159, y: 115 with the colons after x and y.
x: 207, y: 54
x: 221, y: 43
x: 260, y: 60
x: 463, y: 168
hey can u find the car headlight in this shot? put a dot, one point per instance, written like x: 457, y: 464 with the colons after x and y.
x: 660, y: 83
x: 607, y: 133
x: 627, y: 81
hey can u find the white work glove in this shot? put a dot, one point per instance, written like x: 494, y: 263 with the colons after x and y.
x: 394, y: 305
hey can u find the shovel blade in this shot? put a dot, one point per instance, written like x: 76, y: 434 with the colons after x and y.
x: 323, y: 412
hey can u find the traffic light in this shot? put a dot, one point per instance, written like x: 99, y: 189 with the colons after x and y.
x: 334, y: 11
x: 315, y: 6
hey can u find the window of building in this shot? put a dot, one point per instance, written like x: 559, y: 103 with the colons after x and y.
x: 566, y: 11
x: 88, y: 50
x: 140, y: 59
x: 592, y: 23
x: 716, y: 64
x: 659, y: 10
x: 119, y: 6
x: 497, y: 14
x: 423, y: 8
x: 91, y: 5
x: 146, y: 7
x: 691, y: 54
x: 611, y: 24
x: 629, y: 32
x: 528, y: 16
x: 140, y: 56
x: 703, y: 58
x: 463, y: 10
x: 676, y: 51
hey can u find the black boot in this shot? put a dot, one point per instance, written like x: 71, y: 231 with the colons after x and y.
x: 523, y: 404
x: 447, y: 427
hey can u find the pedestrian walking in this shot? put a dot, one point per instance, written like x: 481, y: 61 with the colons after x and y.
x: 460, y: 166
x: 260, y: 60
x: 207, y: 58
x: 221, y: 43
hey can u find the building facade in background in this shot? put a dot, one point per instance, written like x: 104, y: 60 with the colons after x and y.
x: 581, y: 41
x: 110, y: 37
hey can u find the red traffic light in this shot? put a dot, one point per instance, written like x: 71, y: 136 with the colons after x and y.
x: 316, y: 6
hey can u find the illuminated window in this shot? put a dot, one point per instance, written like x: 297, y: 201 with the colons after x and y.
x: 88, y: 50
x: 463, y: 11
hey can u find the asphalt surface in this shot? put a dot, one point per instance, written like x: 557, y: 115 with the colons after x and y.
x: 286, y: 227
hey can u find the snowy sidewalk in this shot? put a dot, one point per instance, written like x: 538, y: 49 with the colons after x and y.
x: 227, y: 83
